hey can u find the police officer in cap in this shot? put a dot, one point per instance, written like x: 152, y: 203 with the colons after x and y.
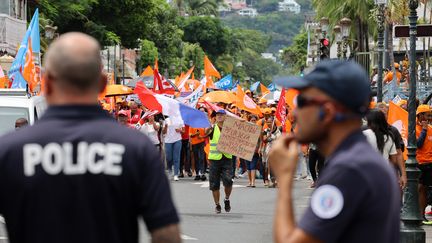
x: 77, y: 175
x: 357, y: 198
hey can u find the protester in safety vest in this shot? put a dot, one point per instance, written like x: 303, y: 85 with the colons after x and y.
x: 220, y: 164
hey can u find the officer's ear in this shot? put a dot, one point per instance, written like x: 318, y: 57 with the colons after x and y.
x: 102, y: 82
x: 48, y: 82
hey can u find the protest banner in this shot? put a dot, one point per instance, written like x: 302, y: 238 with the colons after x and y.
x: 239, y: 138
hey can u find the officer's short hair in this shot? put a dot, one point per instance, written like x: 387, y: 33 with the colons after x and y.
x: 75, y: 64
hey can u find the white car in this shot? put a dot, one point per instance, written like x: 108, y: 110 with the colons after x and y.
x: 15, y: 104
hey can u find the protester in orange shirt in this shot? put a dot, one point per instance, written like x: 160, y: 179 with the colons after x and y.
x: 424, y: 155
x: 389, y: 76
x: 197, y: 140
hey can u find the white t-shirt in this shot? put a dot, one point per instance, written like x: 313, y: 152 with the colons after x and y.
x: 389, y: 145
x: 149, y: 130
x: 172, y: 136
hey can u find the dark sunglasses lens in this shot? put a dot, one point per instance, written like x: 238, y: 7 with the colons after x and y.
x: 301, y: 101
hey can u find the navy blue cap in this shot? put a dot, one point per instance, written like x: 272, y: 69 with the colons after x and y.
x: 345, y: 81
x: 221, y: 111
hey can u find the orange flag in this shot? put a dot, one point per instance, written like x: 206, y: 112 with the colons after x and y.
x: 244, y: 102
x: 184, y: 78
x: 29, y: 70
x: 4, y: 83
x: 290, y: 98
x: 398, y: 117
x: 147, y: 72
x: 264, y: 90
x: 209, y: 69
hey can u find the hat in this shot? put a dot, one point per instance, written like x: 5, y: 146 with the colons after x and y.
x: 267, y: 111
x: 375, y: 67
x: 248, y: 91
x: 221, y: 111
x: 123, y: 113
x: 396, y: 65
x: 423, y: 109
x: 346, y: 82
x: 262, y: 101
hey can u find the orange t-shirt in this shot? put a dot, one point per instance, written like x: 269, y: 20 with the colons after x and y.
x: 196, y: 139
x: 261, y: 121
x: 389, y: 77
x: 424, y: 154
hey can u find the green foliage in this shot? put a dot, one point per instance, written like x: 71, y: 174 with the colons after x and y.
x: 202, y: 7
x: 295, y: 55
x: 193, y: 54
x: 280, y: 26
x: 246, y: 38
x: 208, y: 32
x: 265, y: 6
x: 149, y: 53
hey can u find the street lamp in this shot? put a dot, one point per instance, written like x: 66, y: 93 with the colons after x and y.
x: 318, y: 35
x: 50, y: 32
x: 324, y: 23
x: 380, y: 21
x: 313, y: 50
x: 345, y: 24
x: 410, y: 215
x: 338, y: 37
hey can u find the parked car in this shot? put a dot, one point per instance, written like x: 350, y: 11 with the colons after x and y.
x: 16, y: 103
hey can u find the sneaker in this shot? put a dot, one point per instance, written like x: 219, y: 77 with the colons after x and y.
x: 218, y: 208
x: 203, y: 178
x: 227, y: 205
x: 190, y: 174
x: 197, y: 178
x: 181, y: 175
x: 426, y: 221
x: 176, y: 178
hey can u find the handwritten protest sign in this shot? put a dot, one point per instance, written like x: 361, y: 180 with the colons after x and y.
x: 239, y: 138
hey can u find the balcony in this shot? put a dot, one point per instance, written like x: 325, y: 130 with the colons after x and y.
x: 12, y: 31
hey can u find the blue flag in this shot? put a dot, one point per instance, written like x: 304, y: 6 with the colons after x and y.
x: 272, y: 87
x: 15, y: 72
x: 254, y: 86
x: 225, y: 83
x: 235, y: 86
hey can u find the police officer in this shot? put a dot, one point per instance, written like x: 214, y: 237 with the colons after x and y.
x: 77, y: 175
x: 357, y: 192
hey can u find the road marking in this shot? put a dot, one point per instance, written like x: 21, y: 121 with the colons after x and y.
x: 3, y: 238
x: 186, y: 237
x: 2, y: 220
x: 207, y: 184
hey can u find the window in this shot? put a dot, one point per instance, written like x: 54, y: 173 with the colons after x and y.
x: 8, y: 116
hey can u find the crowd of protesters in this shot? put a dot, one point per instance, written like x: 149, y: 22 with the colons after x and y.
x: 186, y: 150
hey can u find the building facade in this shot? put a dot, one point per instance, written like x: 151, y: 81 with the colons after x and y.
x: 289, y: 6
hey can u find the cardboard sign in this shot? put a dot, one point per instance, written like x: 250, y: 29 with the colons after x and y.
x: 239, y: 138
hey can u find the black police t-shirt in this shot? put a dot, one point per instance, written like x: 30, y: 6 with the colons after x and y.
x: 79, y: 176
x: 357, y: 198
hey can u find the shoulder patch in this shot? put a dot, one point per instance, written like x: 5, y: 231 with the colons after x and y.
x: 327, y: 201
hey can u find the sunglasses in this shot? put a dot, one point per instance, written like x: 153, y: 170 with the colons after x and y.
x: 303, y: 101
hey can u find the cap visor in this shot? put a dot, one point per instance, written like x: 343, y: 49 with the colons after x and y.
x: 292, y: 82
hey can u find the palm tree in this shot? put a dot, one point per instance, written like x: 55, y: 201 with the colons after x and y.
x: 202, y: 7
x: 358, y: 11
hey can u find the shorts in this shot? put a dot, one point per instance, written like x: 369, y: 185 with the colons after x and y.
x: 252, y: 165
x: 426, y: 174
x: 220, y: 170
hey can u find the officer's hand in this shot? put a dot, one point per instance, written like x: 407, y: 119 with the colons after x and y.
x: 283, y: 157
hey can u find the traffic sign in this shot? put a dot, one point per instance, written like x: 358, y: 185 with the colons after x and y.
x: 424, y: 30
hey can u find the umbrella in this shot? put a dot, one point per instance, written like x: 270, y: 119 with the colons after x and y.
x: 147, y: 80
x: 272, y: 95
x: 117, y: 89
x: 220, y: 96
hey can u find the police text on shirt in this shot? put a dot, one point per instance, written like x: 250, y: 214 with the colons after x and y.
x: 95, y: 158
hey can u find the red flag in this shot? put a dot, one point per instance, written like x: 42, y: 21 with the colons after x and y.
x: 281, y: 108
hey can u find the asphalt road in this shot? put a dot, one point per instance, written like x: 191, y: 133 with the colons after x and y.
x: 250, y: 219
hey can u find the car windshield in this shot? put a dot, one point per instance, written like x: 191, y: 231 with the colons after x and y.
x: 8, y: 116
